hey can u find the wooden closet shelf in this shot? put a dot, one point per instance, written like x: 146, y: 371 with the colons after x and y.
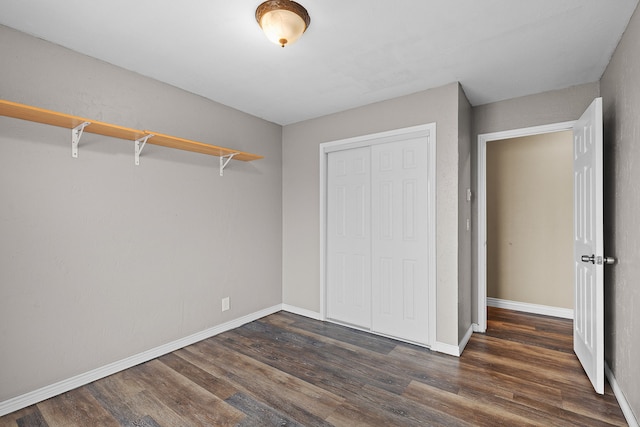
x: 48, y: 117
x: 54, y: 118
x: 198, y: 147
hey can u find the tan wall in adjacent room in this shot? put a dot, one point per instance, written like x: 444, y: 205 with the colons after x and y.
x: 529, y: 219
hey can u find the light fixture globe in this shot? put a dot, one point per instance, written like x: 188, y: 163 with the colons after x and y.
x: 283, y: 21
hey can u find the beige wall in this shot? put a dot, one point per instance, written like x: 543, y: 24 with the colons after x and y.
x: 620, y: 86
x: 101, y: 259
x: 301, y: 239
x: 530, y: 219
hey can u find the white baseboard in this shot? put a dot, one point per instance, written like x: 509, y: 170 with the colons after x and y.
x: 465, y: 339
x: 476, y: 328
x: 438, y: 346
x: 63, y: 386
x: 565, y: 313
x: 451, y: 349
x: 302, y: 312
x: 622, y: 400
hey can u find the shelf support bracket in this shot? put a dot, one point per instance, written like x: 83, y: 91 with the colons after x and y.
x: 76, y: 134
x: 224, y: 161
x: 140, y: 143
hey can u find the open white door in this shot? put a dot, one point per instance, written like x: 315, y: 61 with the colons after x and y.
x: 589, y: 259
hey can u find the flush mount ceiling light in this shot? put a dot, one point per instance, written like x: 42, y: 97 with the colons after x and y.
x: 283, y: 21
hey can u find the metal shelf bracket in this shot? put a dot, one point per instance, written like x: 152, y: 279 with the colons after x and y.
x: 140, y: 143
x: 76, y: 134
x: 224, y: 161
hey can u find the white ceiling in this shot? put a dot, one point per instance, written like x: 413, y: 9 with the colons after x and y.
x: 355, y: 52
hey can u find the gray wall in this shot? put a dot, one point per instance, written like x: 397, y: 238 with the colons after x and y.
x: 620, y: 87
x: 301, y: 244
x: 534, y: 110
x: 101, y: 259
x: 464, y: 213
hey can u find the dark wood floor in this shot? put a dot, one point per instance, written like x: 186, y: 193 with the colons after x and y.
x: 289, y: 370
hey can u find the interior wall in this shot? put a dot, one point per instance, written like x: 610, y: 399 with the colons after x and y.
x: 301, y: 216
x: 530, y: 219
x: 464, y: 215
x: 101, y: 259
x: 534, y: 110
x: 620, y: 86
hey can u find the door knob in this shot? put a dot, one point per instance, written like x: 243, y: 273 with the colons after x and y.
x: 600, y: 260
x: 587, y: 258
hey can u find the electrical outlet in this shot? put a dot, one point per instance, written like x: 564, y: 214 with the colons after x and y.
x: 225, y: 304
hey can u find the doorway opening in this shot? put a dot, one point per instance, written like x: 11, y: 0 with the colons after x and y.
x: 503, y: 266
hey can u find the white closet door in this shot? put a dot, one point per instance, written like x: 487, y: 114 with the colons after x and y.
x: 349, y: 236
x: 400, y: 291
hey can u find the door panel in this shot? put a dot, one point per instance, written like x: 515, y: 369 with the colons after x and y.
x: 400, y: 296
x: 588, y: 331
x: 348, y: 237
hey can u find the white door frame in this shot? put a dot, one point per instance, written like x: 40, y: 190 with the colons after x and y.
x: 428, y: 130
x: 482, y: 204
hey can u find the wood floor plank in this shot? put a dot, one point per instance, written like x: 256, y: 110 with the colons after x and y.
x: 570, y: 417
x: 362, y: 339
x: 125, y: 411
x: 524, y: 408
x: 29, y: 416
x: 599, y: 409
x: 437, y: 369
x: 215, y: 385
x: 507, y: 387
x: 541, y: 331
x: 34, y: 419
x: 284, y: 392
x: 333, y: 360
x: 76, y: 408
x: 536, y: 376
x: 124, y: 396
x: 146, y: 402
x: 471, y: 377
x: 376, y: 407
x: 258, y: 413
x: 529, y: 352
x: 194, y: 404
x: 549, y: 340
x: 467, y: 408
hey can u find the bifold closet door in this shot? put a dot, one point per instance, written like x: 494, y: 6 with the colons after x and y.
x: 399, y: 245
x: 349, y: 236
